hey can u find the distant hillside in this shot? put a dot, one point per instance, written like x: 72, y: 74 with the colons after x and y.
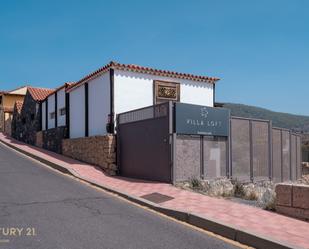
x: 284, y: 120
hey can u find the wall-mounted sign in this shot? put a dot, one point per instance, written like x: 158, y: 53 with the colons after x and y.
x: 201, y: 120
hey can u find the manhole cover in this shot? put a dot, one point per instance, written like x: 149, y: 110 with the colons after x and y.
x: 157, y: 197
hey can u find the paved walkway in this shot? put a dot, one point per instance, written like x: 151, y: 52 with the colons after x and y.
x: 265, y: 223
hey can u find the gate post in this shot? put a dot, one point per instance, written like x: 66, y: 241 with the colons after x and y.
x: 202, y: 173
x: 251, y: 150
x: 172, y: 138
x: 173, y: 156
x: 230, y: 159
x: 281, y: 151
x: 270, y: 146
x: 290, y: 153
x: 118, y: 159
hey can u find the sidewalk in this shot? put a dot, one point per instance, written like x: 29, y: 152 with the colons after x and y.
x: 246, y: 224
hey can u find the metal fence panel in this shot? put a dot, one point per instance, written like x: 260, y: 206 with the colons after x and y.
x: 149, y: 112
x: 215, y: 157
x: 285, y: 155
x: 260, y: 150
x: 255, y: 151
x: 240, y: 149
x: 188, y: 158
x: 276, y: 147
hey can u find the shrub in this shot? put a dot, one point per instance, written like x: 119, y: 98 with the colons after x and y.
x: 268, y: 199
x: 238, y: 188
x: 196, y: 183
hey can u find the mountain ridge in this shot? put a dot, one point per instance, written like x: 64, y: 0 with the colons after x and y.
x: 297, y: 123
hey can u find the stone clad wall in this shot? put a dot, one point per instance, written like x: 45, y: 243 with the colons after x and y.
x: 1, y: 119
x: 52, y: 138
x: 293, y: 200
x: 39, y: 139
x: 7, y: 123
x: 97, y: 150
x: 28, y: 123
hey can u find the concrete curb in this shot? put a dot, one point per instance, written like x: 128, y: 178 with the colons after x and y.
x: 245, y: 237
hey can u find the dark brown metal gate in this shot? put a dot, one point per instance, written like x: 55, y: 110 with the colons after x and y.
x: 143, y: 143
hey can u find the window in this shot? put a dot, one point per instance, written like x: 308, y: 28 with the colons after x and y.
x: 62, y: 111
x: 52, y: 115
x: 166, y: 91
x: 0, y: 100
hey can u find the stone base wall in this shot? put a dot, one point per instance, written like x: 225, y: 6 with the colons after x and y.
x: 39, y: 139
x: 52, y: 139
x: 97, y: 150
x: 293, y: 200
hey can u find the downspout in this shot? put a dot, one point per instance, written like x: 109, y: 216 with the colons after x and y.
x: 86, y: 110
x: 46, y: 114
x: 111, y: 125
x: 41, y: 118
x: 214, y: 94
x: 56, y: 110
x: 67, y: 113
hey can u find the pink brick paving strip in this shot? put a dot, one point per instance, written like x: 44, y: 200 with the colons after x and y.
x: 268, y: 224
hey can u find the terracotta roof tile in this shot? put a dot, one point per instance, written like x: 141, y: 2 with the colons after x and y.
x: 142, y: 69
x: 38, y: 93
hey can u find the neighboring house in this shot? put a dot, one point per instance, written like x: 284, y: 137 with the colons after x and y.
x: 54, y: 118
x: 16, y: 115
x: 7, y: 101
x: 29, y: 119
x: 96, y: 99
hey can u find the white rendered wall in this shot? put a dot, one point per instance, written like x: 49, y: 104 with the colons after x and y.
x: 51, y: 108
x: 135, y: 90
x: 22, y: 91
x: 198, y: 93
x: 99, y: 104
x: 77, y: 112
x: 43, y: 116
x: 60, y: 105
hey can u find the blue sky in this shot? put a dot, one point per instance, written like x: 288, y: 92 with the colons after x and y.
x: 260, y: 49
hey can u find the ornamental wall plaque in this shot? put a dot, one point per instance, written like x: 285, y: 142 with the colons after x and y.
x: 166, y: 91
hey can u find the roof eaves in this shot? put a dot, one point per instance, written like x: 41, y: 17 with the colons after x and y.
x: 142, y: 69
x: 91, y: 76
x: 66, y: 85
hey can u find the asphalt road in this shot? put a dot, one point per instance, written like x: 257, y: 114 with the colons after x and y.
x: 53, y: 211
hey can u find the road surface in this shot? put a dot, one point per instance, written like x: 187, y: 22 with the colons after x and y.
x: 43, y: 209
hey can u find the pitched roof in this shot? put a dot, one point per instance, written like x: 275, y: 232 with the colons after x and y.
x: 71, y: 84
x: 38, y: 94
x: 142, y: 69
x: 18, y: 106
x: 19, y: 91
x: 66, y: 85
x: 16, y: 91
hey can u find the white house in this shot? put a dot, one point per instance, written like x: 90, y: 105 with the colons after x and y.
x: 54, y: 111
x: 96, y: 99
